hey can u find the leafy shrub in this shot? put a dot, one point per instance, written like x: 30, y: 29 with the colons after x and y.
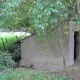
x: 15, y: 51
x: 6, y: 60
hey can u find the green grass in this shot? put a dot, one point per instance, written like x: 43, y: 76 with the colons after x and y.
x: 29, y: 74
x: 7, y: 40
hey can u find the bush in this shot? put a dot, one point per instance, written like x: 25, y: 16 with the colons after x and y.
x: 15, y: 51
x: 6, y: 60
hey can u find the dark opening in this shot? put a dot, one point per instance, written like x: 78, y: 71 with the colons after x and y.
x: 15, y: 50
x: 75, y: 45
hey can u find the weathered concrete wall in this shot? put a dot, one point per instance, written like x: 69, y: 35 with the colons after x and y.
x: 72, y: 29
x: 51, y: 58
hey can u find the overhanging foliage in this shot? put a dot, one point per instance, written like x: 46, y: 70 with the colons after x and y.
x: 39, y: 16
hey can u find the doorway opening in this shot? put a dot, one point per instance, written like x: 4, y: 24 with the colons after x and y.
x: 76, y: 45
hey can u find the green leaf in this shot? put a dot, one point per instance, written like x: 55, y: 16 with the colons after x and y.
x: 48, y: 12
x: 39, y: 16
x: 55, y: 20
x: 51, y: 5
x: 65, y: 15
x: 41, y: 26
x: 54, y: 10
x: 30, y: 9
x: 41, y: 8
x: 36, y: 20
x: 34, y: 11
x: 45, y: 10
x: 58, y: 2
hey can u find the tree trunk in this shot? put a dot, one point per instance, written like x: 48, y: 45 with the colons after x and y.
x: 62, y: 49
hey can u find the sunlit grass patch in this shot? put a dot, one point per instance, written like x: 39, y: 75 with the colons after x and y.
x: 8, y: 38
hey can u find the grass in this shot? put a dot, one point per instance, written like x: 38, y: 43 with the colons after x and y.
x: 7, y: 39
x: 73, y: 73
x: 29, y: 74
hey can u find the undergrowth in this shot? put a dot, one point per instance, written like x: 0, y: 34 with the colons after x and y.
x: 7, y: 41
x: 22, y: 74
x: 6, y: 60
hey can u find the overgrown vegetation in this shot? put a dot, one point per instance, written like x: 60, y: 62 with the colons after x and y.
x: 7, y: 41
x: 15, y: 51
x: 25, y: 74
x: 6, y: 60
x: 39, y: 16
x: 10, y: 50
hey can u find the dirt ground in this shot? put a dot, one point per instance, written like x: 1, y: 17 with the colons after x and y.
x: 74, y: 71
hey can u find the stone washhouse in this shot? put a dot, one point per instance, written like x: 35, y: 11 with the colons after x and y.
x: 51, y: 58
